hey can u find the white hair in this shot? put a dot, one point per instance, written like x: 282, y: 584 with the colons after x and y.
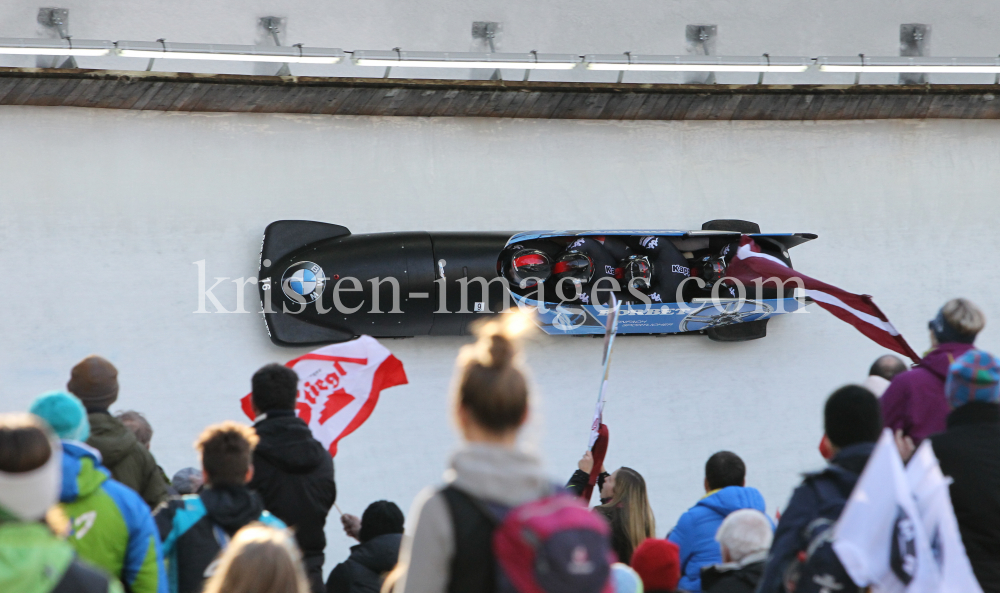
x: 745, y: 532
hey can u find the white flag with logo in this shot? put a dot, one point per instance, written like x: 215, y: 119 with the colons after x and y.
x: 339, y: 386
x: 880, y: 538
x: 930, y: 488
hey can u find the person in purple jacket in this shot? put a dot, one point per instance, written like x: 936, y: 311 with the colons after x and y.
x: 914, y: 402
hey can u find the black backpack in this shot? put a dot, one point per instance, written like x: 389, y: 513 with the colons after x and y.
x: 817, y: 568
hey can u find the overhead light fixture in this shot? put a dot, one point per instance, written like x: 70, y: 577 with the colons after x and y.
x: 55, y: 47
x: 908, y: 64
x: 694, y: 63
x: 234, y: 53
x: 412, y: 59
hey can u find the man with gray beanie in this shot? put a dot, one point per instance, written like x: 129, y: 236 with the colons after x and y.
x: 914, y: 402
x: 95, y: 381
x: 969, y: 453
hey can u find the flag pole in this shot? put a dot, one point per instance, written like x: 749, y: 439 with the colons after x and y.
x: 598, y: 441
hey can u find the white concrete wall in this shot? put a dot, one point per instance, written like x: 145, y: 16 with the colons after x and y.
x: 104, y: 213
x: 791, y: 28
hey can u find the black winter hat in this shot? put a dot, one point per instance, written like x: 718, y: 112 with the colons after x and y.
x: 381, y: 517
x: 852, y: 415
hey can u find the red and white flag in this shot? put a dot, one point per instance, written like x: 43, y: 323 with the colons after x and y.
x: 339, y: 386
x: 857, y: 309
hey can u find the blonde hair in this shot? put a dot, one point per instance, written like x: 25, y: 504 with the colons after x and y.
x: 964, y: 316
x: 492, y: 385
x: 630, y: 496
x: 259, y: 559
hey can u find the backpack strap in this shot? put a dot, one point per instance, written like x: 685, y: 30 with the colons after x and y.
x: 473, y: 566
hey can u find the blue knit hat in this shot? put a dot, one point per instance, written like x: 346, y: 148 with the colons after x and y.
x: 64, y: 413
x: 625, y: 579
x: 975, y: 376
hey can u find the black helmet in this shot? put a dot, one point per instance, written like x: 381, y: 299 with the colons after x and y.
x: 574, y: 265
x: 637, y: 272
x: 713, y: 268
x: 529, y: 266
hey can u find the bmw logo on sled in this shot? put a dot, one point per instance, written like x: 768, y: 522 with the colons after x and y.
x: 321, y: 284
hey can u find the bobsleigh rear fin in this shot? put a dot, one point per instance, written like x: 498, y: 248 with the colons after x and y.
x: 282, y: 237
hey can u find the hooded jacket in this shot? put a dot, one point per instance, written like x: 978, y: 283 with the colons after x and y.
x: 490, y: 473
x: 914, y: 402
x: 734, y: 577
x: 805, y: 506
x: 33, y: 560
x: 364, y: 569
x: 111, y: 525
x: 129, y: 461
x: 969, y: 452
x: 294, y: 475
x: 195, y: 528
x: 695, y: 530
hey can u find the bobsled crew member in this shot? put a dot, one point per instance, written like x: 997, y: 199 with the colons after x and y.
x: 111, y: 526
x: 624, y: 504
x: 380, y: 535
x: 590, y: 263
x: 669, y: 269
x: 95, y: 381
x: 915, y: 401
x: 726, y: 492
x: 293, y: 472
x: 32, y: 558
x: 196, y: 527
x: 852, y: 423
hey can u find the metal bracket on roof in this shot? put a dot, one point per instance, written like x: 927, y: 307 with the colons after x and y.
x: 914, y: 41
x: 273, y: 27
x: 487, y: 33
x: 56, y: 20
x: 701, y: 42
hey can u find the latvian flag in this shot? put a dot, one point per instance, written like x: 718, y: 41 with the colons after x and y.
x: 859, y: 310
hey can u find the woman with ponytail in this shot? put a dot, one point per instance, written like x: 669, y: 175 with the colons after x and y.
x: 627, y: 510
x: 448, y: 547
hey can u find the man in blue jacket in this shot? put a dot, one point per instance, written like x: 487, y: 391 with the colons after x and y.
x: 726, y: 491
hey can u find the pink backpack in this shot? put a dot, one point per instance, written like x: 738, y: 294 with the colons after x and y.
x: 553, y: 545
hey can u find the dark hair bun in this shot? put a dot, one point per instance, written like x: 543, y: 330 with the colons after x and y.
x: 501, y: 351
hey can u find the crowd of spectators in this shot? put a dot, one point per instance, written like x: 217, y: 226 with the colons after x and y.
x: 84, y: 507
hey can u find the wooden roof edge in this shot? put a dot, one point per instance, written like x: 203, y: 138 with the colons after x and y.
x: 985, y: 90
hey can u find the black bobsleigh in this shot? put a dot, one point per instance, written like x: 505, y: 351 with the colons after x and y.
x: 320, y: 284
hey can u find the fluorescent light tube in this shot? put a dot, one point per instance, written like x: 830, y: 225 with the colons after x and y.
x: 620, y: 62
x: 55, y: 47
x: 403, y: 59
x: 230, y: 53
x: 906, y: 64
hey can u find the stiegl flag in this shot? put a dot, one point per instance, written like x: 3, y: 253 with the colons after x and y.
x: 339, y: 386
x: 880, y: 537
x: 930, y: 489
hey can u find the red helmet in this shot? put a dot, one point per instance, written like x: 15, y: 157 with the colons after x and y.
x: 575, y: 265
x: 527, y: 267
